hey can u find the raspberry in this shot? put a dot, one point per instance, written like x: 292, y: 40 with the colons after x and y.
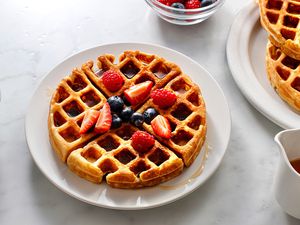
x: 169, y: 2
x: 165, y: 2
x: 142, y: 141
x: 192, y: 4
x: 163, y: 98
x: 112, y: 80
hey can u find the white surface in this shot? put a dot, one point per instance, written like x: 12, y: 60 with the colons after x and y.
x: 245, y: 50
x: 287, y: 179
x: 36, y: 35
x: 217, y: 137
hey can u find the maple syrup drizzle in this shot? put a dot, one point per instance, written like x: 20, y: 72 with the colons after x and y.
x: 196, y: 174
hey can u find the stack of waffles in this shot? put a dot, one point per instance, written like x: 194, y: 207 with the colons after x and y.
x: 110, y: 156
x: 280, y: 18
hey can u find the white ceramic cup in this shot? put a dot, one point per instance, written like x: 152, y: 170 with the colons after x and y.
x: 287, y: 180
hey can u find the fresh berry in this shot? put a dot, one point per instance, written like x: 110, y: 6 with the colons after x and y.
x: 126, y: 113
x: 116, y: 121
x: 116, y: 103
x: 165, y: 2
x: 206, y: 2
x: 161, y: 126
x: 104, y: 120
x: 149, y: 115
x: 163, y: 98
x: 142, y: 142
x: 137, y: 119
x: 139, y: 92
x: 192, y: 4
x: 178, y: 5
x: 112, y: 80
x: 125, y: 101
x: 89, y: 120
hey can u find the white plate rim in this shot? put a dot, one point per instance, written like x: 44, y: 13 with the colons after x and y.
x: 175, y: 198
x: 237, y: 49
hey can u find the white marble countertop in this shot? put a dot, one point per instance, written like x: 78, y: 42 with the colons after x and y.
x: 36, y: 35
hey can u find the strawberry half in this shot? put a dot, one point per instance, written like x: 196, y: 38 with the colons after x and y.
x: 104, y: 121
x: 89, y: 120
x: 161, y: 126
x: 139, y: 92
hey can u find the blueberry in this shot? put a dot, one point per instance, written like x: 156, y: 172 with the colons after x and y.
x: 206, y: 2
x: 126, y: 113
x: 116, y: 121
x: 116, y: 103
x: 149, y: 115
x: 126, y: 102
x: 178, y: 5
x: 137, y: 119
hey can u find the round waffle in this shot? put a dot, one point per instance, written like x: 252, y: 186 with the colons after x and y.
x: 284, y: 75
x: 110, y: 156
x: 281, y: 19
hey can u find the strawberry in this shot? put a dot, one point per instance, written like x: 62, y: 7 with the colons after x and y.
x: 163, y: 98
x: 142, y: 142
x: 192, y: 4
x: 139, y: 92
x: 112, y: 80
x: 104, y: 120
x: 89, y: 120
x: 161, y: 126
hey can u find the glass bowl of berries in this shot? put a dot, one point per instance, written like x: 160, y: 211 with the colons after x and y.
x: 185, y: 12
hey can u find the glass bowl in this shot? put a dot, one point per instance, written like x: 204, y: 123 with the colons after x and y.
x: 184, y: 16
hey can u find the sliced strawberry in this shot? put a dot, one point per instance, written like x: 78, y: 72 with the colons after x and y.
x: 89, y: 120
x: 104, y: 121
x: 139, y: 92
x: 161, y: 126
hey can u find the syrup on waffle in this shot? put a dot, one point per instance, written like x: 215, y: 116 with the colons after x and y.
x: 284, y: 75
x: 281, y: 19
x: 110, y: 156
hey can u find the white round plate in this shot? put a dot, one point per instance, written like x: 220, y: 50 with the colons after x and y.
x: 246, y: 48
x: 218, y: 123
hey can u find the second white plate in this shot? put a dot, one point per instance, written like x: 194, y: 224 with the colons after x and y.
x: 218, y: 123
x: 246, y: 46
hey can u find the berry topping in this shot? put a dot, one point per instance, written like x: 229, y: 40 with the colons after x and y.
x: 89, y: 120
x: 104, y: 120
x: 137, y: 119
x: 116, y: 121
x: 206, y: 2
x: 163, y: 98
x: 161, y: 126
x: 178, y: 5
x: 142, y: 142
x: 139, y: 92
x: 192, y: 4
x: 126, y: 114
x: 165, y: 2
x: 112, y: 80
x: 116, y: 103
x: 125, y: 101
x: 149, y: 114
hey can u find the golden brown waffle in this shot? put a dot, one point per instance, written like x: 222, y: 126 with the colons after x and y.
x: 74, y: 95
x: 284, y: 75
x: 110, y: 156
x: 187, y: 118
x: 281, y: 19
